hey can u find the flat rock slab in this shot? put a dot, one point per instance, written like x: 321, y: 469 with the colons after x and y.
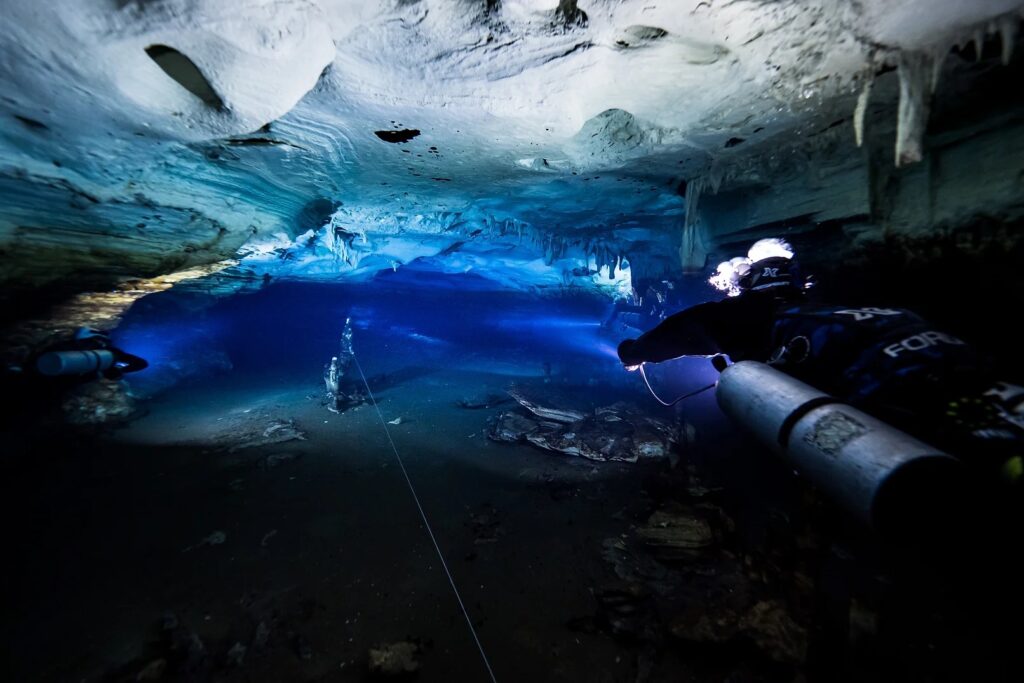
x: 612, y: 433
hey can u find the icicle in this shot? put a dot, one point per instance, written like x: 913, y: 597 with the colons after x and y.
x: 979, y: 43
x: 915, y: 70
x: 938, y: 58
x: 1008, y: 28
x: 715, y: 177
x: 691, y: 249
x: 861, y: 110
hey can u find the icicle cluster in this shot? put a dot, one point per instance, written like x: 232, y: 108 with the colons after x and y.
x: 919, y: 77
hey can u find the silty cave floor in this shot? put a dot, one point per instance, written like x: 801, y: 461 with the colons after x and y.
x: 323, y: 542
x: 164, y: 549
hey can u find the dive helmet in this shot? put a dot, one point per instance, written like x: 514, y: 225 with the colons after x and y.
x: 768, y: 273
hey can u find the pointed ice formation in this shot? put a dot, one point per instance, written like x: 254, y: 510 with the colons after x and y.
x: 862, y: 108
x: 692, y: 254
x: 1009, y: 26
x: 979, y: 43
x: 916, y: 72
x: 919, y: 73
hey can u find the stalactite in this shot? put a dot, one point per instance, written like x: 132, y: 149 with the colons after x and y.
x: 715, y: 177
x: 1008, y: 29
x: 568, y: 14
x: 861, y: 110
x: 915, y: 74
x: 448, y: 220
x: 979, y: 43
x: 692, y: 254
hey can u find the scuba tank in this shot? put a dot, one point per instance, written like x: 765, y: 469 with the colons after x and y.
x: 878, y: 474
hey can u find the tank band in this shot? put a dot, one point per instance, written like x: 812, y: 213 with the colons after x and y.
x: 790, y: 422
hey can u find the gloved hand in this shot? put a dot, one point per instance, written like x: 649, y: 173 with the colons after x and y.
x: 627, y: 356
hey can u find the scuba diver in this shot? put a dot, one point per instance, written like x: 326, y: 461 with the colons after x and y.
x: 50, y: 375
x: 89, y: 354
x: 889, y: 362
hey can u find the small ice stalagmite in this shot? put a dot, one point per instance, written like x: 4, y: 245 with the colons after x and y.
x: 331, y: 376
x: 342, y: 388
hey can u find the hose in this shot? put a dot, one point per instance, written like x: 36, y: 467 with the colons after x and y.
x: 681, y: 398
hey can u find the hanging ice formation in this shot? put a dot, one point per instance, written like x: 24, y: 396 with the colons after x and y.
x: 340, y: 240
x: 919, y: 76
x: 862, y: 108
x: 692, y: 253
x: 341, y: 245
x: 603, y: 255
x: 1008, y: 28
x: 917, y: 80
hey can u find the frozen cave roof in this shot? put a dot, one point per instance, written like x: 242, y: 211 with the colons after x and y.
x: 138, y: 137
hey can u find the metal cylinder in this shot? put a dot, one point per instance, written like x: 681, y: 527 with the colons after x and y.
x: 876, y: 472
x: 55, y: 363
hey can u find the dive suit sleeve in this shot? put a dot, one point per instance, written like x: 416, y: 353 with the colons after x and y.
x: 684, y: 334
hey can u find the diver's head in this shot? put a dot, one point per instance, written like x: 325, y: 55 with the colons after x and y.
x: 769, y: 273
x: 768, y: 265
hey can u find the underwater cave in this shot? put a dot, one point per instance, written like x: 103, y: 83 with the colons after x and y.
x: 512, y: 340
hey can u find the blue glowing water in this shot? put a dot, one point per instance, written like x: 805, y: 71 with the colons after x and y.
x: 291, y: 329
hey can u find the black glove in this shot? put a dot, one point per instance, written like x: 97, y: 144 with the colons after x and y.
x: 626, y: 353
x: 124, y: 362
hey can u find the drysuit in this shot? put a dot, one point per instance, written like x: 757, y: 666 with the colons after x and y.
x: 886, y: 361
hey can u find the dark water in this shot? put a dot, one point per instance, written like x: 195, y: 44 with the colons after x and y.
x: 325, y: 553
x: 326, y: 548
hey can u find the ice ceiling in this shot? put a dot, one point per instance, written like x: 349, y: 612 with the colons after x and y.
x: 535, y: 141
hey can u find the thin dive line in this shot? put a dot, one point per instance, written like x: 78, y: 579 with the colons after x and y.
x: 426, y: 523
